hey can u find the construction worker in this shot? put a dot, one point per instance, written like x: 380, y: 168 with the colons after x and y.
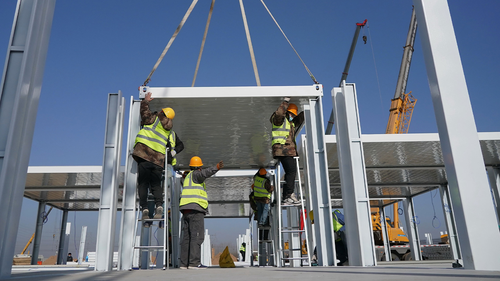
x: 285, y: 121
x: 262, y: 189
x: 243, y: 250
x: 194, y: 205
x: 150, y: 148
x: 340, y: 239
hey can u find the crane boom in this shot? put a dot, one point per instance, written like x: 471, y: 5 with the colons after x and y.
x: 402, y: 104
x: 359, y: 25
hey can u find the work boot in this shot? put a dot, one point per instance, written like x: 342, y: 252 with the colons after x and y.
x: 158, y: 212
x: 293, y: 199
x: 145, y: 214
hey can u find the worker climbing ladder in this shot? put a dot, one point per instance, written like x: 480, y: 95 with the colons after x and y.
x: 265, y: 250
x: 291, y: 250
x: 146, y: 232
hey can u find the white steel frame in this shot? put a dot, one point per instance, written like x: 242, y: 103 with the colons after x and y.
x: 469, y: 188
x: 109, y: 187
x: 353, y: 177
x: 19, y: 95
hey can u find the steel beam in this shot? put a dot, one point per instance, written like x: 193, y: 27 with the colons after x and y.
x: 109, y: 186
x: 318, y: 178
x: 450, y: 222
x: 39, y: 229
x: 354, y: 185
x: 469, y: 188
x: 19, y: 95
x: 128, y: 226
x: 412, y: 222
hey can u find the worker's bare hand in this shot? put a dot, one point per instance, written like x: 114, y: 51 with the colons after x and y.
x: 220, y: 165
x: 148, y: 97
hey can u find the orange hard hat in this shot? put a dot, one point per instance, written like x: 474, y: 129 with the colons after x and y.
x: 262, y: 172
x: 293, y: 108
x: 195, y: 162
x: 169, y: 112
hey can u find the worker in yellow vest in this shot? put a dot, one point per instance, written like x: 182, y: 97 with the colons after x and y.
x: 150, y: 150
x: 243, y: 249
x: 262, y: 190
x: 286, y: 120
x: 194, y: 206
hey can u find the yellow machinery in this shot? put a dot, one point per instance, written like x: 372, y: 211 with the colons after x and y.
x: 400, y: 115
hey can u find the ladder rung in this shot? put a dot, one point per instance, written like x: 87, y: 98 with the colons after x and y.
x: 289, y: 206
x: 292, y: 231
x: 265, y: 241
x: 289, y: 250
x: 148, y: 247
x: 294, y: 258
x: 151, y: 219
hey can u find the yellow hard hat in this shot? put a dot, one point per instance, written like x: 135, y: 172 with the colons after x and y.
x: 169, y: 112
x: 195, y: 162
x: 262, y: 172
x: 293, y: 108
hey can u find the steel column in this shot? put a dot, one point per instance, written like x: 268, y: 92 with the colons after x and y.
x: 81, y: 249
x: 128, y: 227
x: 19, y: 95
x: 469, y: 188
x: 450, y: 222
x: 39, y: 229
x: 412, y: 229
x: 61, y: 257
x: 494, y: 179
x: 320, y: 185
x: 353, y: 177
x: 109, y: 185
x: 385, y: 235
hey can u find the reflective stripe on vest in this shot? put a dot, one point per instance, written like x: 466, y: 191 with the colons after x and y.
x: 281, y: 133
x: 258, y: 188
x: 154, y: 136
x: 193, y: 192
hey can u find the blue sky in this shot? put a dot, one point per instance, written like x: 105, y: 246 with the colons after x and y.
x: 100, y: 47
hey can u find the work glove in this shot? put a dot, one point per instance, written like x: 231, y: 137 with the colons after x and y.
x: 220, y: 165
x: 173, y: 153
x: 287, y: 99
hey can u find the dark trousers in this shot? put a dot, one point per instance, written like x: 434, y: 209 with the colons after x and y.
x: 290, y: 168
x: 242, y: 255
x: 341, y: 248
x: 193, y: 234
x: 149, y: 178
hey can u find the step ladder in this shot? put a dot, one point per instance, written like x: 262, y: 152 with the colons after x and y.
x: 293, y: 255
x: 146, y: 232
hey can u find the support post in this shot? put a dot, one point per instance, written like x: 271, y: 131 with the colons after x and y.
x: 412, y: 222
x: 19, y: 95
x: 464, y: 164
x: 385, y: 235
x: 449, y: 219
x: 353, y: 177
x: 61, y: 256
x: 39, y: 229
x: 109, y: 185
x: 81, y: 249
x: 320, y: 185
x: 494, y: 179
x: 129, y: 224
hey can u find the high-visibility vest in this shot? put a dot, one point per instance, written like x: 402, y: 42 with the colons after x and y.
x: 258, y: 188
x: 193, y: 192
x: 336, y: 224
x: 242, y: 248
x: 156, y: 138
x: 281, y: 133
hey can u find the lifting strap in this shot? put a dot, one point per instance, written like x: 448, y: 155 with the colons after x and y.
x: 310, y: 74
x: 203, y: 41
x: 188, y: 12
x: 249, y: 40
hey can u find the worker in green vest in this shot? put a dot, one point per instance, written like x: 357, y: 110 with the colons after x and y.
x: 150, y: 149
x: 194, y: 206
x: 286, y: 120
x: 262, y: 190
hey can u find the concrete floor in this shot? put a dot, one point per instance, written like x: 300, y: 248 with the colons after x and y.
x: 400, y: 271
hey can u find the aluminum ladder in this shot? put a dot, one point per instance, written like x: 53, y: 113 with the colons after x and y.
x: 292, y: 231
